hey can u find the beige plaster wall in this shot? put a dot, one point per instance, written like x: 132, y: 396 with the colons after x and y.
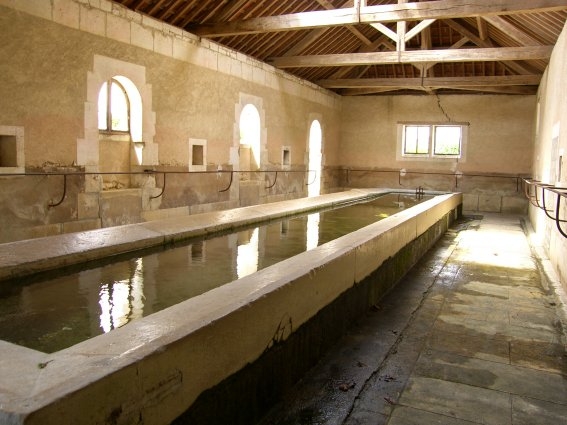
x: 550, y: 143
x: 499, y: 131
x: 195, y: 88
x: 499, y: 143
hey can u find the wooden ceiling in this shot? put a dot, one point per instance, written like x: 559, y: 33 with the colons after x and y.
x: 361, y: 47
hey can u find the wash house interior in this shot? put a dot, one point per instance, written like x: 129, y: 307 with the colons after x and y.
x: 135, y: 125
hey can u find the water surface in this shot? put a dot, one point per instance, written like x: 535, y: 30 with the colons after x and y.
x: 59, y: 312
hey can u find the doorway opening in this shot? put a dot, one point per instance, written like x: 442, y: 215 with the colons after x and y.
x: 119, y: 125
x: 250, y: 140
x: 315, y: 158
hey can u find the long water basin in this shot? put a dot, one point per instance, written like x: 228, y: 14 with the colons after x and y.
x: 157, y: 367
x: 62, y: 311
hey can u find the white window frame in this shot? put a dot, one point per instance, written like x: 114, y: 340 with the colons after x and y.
x: 110, y: 107
x: 431, y: 155
x: 198, y: 167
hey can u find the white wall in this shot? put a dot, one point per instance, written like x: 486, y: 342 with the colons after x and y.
x: 550, y: 141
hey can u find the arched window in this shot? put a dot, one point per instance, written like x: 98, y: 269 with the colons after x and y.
x: 315, y: 157
x: 113, y: 107
x: 250, y: 133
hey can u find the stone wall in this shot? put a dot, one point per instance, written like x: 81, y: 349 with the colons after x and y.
x: 58, y: 55
x: 499, y: 146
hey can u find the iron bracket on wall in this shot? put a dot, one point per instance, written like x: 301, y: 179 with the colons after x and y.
x: 274, y: 183
x: 314, y: 177
x: 560, y: 192
x: 457, y: 175
x: 51, y: 204
x: 162, y: 189
x: 230, y: 182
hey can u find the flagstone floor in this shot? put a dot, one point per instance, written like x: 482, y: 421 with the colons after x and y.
x: 474, y: 334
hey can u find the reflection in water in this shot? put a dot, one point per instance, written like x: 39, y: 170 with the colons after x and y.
x: 122, y: 301
x: 247, y: 259
x: 64, y: 310
x: 197, y: 252
x: 312, y: 231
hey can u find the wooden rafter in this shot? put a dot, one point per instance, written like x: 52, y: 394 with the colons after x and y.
x: 329, y: 6
x: 513, y: 66
x: 416, y: 56
x: 525, y: 90
x: 482, y: 28
x: 512, y: 31
x: 440, y: 9
x: 306, y: 41
x: 403, y: 40
x: 509, y: 80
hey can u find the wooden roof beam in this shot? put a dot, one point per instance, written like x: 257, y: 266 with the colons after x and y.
x: 381, y: 41
x: 427, y: 68
x: 512, y: 31
x: 415, y: 56
x: 329, y: 6
x: 382, y: 83
x: 439, y: 9
x: 482, y: 29
x: 497, y: 89
x: 513, y: 66
x: 305, y: 42
x: 523, y: 90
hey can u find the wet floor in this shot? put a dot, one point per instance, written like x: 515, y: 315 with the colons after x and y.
x: 474, y: 334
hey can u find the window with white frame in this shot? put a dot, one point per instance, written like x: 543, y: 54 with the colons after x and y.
x: 113, y: 107
x: 427, y: 140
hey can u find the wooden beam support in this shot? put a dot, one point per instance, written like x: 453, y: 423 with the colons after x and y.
x: 427, y: 68
x: 499, y: 89
x: 511, y: 31
x: 392, y: 35
x: 361, y: 92
x: 513, y: 66
x: 381, y: 41
x: 415, y: 56
x: 438, y: 9
x: 305, y: 42
x: 296, y: 21
x: 444, y: 9
x: 482, y: 29
x: 382, y: 83
x: 329, y: 6
x: 523, y: 90
x: 401, y: 36
x: 417, y: 29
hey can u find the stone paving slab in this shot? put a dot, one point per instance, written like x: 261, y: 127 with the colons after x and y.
x: 526, y: 411
x: 497, y: 376
x: 457, y: 400
x: 472, y: 335
x: 409, y: 416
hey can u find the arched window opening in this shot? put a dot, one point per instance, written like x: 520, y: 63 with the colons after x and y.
x: 113, y: 107
x: 250, y: 135
x: 120, y: 131
x: 315, y: 158
x: 120, y: 108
